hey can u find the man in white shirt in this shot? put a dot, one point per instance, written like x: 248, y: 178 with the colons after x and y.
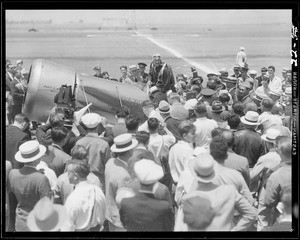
x: 203, y: 125
x: 275, y: 82
x: 182, y: 151
x: 86, y: 205
x: 241, y: 57
x: 149, y: 111
x: 159, y: 145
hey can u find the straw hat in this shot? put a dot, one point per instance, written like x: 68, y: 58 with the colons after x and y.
x: 205, y: 168
x: 46, y: 216
x: 123, y: 143
x: 242, y: 48
x: 30, y: 151
x: 251, y: 118
x: 164, y: 107
x: 271, y: 135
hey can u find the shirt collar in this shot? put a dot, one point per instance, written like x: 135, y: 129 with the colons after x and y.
x: 122, y: 161
x: 57, y: 146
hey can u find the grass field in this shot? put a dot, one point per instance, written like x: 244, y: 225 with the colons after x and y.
x: 180, y: 46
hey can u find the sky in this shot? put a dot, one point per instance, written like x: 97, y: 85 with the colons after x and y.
x: 213, y: 17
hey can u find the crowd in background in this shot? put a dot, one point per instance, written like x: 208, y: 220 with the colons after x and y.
x: 210, y: 157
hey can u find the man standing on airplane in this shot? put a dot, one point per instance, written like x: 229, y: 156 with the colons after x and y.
x: 161, y: 75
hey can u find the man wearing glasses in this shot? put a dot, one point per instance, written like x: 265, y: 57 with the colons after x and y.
x: 161, y: 75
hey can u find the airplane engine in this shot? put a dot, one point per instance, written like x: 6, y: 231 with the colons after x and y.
x: 106, y: 96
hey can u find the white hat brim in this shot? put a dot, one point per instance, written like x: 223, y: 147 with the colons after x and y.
x: 243, y: 120
x: 62, y: 218
x: 133, y: 145
x: 264, y: 137
x: 20, y: 159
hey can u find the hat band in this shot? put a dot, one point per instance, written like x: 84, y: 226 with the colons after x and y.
x: 164, y: 110
x: 49, y: 223
x: 271, y: 139
x: 124, y: 145
x: 207, y: 176
x: 250, y: 120
x: 30, y: 155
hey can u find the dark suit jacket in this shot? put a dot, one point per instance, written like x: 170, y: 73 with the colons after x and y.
x: 172, y: 125
x: 14, y: 138
x: 145, y: 213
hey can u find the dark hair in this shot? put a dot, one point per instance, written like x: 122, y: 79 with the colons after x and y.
x: 284, y: 144
x: 123, y: 66
x: 267, y: 103
x: 200, y: 108
x: 79, y: 152
x: 218, y: 148
x: 80, y: 167
x: 228, y: 137
x: 211, y: 84
x: 272, y: 68
x: 142, y: 137
x: 233, y: 121
x: 122, y: 112
x: 224, y: 97
x: 21, y: 118
x: 266, y: 79
x: 57, y: 119
x: 237, y: 108
x: 216, y: 132
x: 153, y: 124
x: 132, y: 122
x: 195, y: 88
x: 185, y: 127
x: 147, y: 103
x: 58, y: 134
x: 275, y: 110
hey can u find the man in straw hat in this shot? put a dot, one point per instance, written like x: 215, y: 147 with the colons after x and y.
x: 262, y: 170
x: 28, y: 184
x: 250, y: 138
x: 86, y: 205
x: 171, y: 123
x: 98, y: 149
x: 221, y: 215
x: 236, y: 70
x: 241, y: 57
x: 143, y: 212
x: 161, y: 74
x: 117, y: 175
x: 46, y: 216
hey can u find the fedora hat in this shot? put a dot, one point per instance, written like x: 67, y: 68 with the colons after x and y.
x: 46, y: 216
x: 91, y: 120
x: 236, y: 66
x: 288, y: 91
x: 207, y: 92
x: 30, y: 151
x: 205, y: 168
x: 271, y: 135
x: 147, y: 171
x: 252, y: 72
x: 264, y: 69
x: 217, y: 107
x: 142, y: 64
x: 132, y: 67
x: 123, y: 143
x: 251, y: 118
x: 153, y: 89
x: 164, y: 107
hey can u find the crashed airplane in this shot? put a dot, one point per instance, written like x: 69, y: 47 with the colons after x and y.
x: 106, y: 96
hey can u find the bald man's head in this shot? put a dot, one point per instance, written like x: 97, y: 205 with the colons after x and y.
x: 228, y: 137
x: 284, y: 146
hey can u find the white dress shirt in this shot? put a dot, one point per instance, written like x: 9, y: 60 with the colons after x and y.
x: 179, y: 155
x: 275, y: 84
x: 86, y: 207
x: 49, y: 173
x: 204, y: 126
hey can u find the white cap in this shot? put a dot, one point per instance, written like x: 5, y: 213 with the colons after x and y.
x: 91, y: 120
x: 147, y: 171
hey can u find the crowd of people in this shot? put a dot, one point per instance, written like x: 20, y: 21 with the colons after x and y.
x: 210, y: 157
